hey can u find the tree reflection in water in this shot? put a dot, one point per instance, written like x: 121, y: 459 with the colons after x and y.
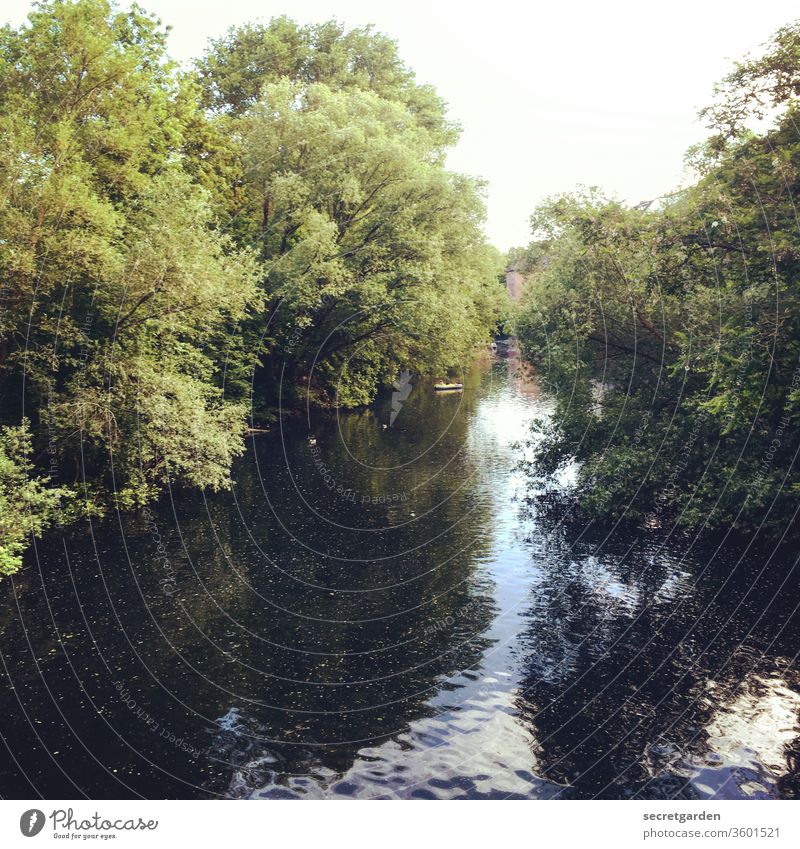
x: 374, y: 612
x: 646, y: 675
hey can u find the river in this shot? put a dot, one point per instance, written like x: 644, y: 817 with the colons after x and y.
x: 377, y: 611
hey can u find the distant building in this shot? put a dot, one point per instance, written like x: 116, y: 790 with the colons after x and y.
x: 515, y: 282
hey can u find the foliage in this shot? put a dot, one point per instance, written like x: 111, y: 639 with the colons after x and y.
x: 235, y: 68
x: 670, y: 333
x: 119, y: 297
x: 180, y: 251
x: 27, y: 504
x: 373, y: 254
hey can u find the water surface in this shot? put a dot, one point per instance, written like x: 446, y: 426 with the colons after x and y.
x: 374, y: 611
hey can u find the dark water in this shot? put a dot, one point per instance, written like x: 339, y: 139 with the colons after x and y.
x: 378, y: 615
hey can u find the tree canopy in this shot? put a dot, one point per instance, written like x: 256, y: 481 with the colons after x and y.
x: 670, y: 332
x: 179, y: 251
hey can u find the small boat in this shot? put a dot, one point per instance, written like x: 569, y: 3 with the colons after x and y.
x: 448, y: 387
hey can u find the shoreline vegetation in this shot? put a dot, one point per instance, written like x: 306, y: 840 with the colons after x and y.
x: 184, y: 249
x: 275, y: 222
x: 669, y: 332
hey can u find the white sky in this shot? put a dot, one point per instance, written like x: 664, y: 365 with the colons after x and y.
x: 549, y: 94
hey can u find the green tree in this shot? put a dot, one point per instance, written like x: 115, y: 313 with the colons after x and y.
x: 670, y: 334
x: 373, y: 253
x: 236, y: 67
x: 284, y: 209
x: 334, y: 172
x: 27, y: 503
x: 119, y: 297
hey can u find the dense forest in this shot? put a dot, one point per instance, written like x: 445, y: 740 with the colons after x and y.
x: 183, y: 250
x: 669, y: 332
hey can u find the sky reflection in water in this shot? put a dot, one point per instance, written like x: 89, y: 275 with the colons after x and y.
x: 378, y: 613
